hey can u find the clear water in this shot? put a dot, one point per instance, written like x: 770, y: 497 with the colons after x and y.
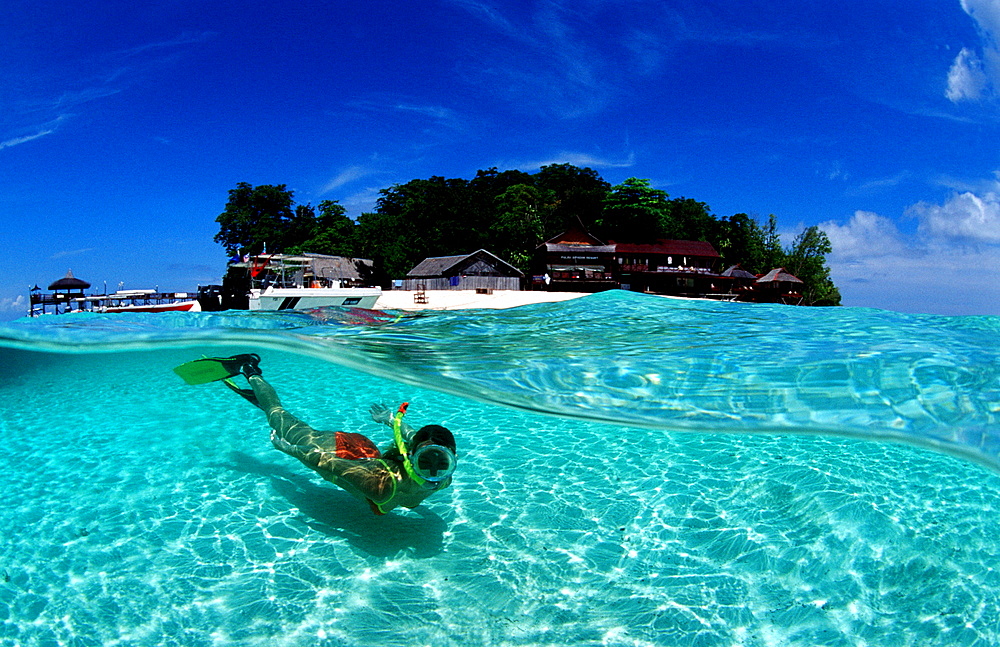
x: 612, y: 487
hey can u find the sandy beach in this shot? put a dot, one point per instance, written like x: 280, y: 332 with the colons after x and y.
x: 464, y: 299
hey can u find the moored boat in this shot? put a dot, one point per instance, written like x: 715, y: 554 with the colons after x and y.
x: 304, y: 298
x: 179, y: 306
x: 306, y: 281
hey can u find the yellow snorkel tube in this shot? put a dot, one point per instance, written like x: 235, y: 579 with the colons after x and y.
x: 397, y: 431
x: 435, y: 478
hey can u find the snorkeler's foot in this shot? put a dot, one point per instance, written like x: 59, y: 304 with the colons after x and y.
x: 250, y: 365
x: 247, y: 394
x: 211, y: 369
x: 245, y: 364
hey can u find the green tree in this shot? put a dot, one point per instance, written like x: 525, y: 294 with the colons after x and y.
x: 774, y: 255
x: 331, y: 232
x: 419, y: 219
x: 634, y: 212
x: 807, y: 260
x: 380, y: 237
x: 740, y: 240
x: 689, y: 220
x: 298, y: 229
x: 489, y: 184
x: 255, y: 217
x: 578, y: 196
x: 519, y: 224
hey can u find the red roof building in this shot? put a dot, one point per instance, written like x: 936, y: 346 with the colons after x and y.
x: 676, y: 267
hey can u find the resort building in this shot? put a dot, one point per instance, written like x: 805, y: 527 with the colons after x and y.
x: 676, y: 267
x: 778, y: 286
x: 479, y: 270
x: 574, y: 261
x: 737, y: 281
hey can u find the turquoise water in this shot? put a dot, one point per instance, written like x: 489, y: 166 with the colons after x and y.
x: 612, y: 487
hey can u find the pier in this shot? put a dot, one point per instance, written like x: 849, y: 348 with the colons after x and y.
x: 67, y: 295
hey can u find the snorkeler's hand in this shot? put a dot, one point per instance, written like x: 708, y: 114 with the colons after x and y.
x: 381, y: 413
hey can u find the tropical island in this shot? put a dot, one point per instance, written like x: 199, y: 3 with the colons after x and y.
x: 562, y: 228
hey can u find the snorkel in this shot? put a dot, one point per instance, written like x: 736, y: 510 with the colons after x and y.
x: 424, y: 480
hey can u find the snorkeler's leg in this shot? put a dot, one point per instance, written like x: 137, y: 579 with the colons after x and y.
x: 287, y: 427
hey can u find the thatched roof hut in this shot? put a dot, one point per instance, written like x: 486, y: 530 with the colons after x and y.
x: 779, y: 275
x: 69, y: 283
x: 737, y: 272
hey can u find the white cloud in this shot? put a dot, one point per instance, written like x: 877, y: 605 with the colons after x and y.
x: 986, y: 13
x: 186, y: 38
x: 576, y: 159
x: 361, y: 202
x: 27, y: 138
x: 387, y: 105
x: 951, y: 281
x: 865, y: 234
x: 549, y: 62
x: 42, y: 131
x: 885, y: 182
x: 973, y: 77
x: 963, y: 218
x: 14, y: 304
x: 488, y: 14
x: 57, y: 94
x: 967, y: 79
x: 348, y: 175
x: 440, y: 114
x: 74, y: 252
x: 949, y: 266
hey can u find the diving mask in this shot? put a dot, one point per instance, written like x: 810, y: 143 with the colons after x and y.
x: 433, y: 463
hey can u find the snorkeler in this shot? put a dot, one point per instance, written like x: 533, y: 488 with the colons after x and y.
x: 417, y: 464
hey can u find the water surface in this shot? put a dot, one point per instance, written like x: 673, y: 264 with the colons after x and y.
x: 633, y: 471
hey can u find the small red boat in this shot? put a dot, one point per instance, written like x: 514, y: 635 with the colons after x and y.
x: 180, y: 306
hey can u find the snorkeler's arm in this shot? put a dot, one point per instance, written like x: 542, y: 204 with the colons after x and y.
x: 381, y: 413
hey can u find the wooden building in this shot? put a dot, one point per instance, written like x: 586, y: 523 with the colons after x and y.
x: 574, y: 261
x: 479, y: 270
x: 778, y: 286
x: 674, y: 267
x: 736, y: 281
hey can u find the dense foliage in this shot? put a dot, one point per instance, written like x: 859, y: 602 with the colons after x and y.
x: 510, y: 213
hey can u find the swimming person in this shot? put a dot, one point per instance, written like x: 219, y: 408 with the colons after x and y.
x: 416, y: 465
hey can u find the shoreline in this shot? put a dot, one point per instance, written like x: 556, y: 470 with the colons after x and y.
x: 469, y: 299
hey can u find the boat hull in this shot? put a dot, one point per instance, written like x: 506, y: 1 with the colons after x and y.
x: 309, y: 298
x: 181, y: 306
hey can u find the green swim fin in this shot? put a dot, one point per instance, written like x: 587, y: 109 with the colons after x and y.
x: 213, y: 369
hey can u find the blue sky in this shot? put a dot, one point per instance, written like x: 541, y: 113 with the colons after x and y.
x: 124, y: 125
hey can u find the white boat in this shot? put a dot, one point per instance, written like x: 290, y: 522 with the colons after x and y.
x: 303, y: 282
x: 274, y: 298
